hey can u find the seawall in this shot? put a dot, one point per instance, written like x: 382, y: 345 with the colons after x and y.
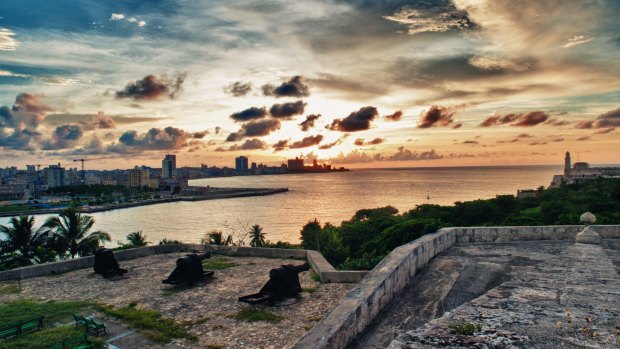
x: 236, y: 193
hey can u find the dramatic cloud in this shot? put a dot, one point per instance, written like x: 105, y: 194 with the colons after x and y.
x: 394, y: 117
x: 254, y: 129
x: 608, y: 119
x: 604, y: 130
x: 293, y: 88
x: 249, y: 144
x: 557, y: 122
x: 438, y: 16
x: 356, y: 121
x: 169, y: 138
x: 252, y: 113
x: 287, y: 110
x: 605, y: 120
x: 330, y: 145
x: 153, y: 88
x: 577, y: 40
x: 437, y: 116
x: 238, y: 89
x: 27, y: 112
x: 360, y: 141
x: 309, y: 122
x: 402, y: 154
x: 103, y: 121
x: 65, y: 136
x: 7, y: 43
x: 281, y: 145
x: 532, y: 118
x: 307, y: 142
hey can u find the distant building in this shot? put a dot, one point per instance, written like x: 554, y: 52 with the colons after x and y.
x: 296, y: 164
x: 527, y: 193
x: 581, y: 172
x: 54, y: 176
x: 138, y: 178
x: 241, y: 164
x: 168, y: 166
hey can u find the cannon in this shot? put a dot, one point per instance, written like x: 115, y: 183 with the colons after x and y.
x: 283, y: 283
x: 189, y: 269
x: 106, y: 264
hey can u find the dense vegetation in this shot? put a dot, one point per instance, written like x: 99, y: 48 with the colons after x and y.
x: 362, y: 241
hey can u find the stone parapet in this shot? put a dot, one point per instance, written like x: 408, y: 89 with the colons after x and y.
x: 54, y: 268
x: 389, y: 277
x: 517, y: 233
x: 375, y: 291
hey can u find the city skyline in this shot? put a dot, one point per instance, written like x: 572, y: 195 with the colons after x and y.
x: 352, y: 83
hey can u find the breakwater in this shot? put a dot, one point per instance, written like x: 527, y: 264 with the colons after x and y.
x: 217, y: 193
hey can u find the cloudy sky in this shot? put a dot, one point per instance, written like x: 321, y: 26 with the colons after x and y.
x: 354, y: 83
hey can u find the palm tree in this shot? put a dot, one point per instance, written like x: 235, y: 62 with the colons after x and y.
x: 21, y: 237
x: 216, y: 237
x: 258, y: 237
x: 70, y: 231
x: 137, y: 239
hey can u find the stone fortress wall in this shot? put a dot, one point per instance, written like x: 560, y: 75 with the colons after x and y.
x: 352, y: 316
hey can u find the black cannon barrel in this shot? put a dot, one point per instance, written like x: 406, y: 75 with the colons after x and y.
x: 189, y: 269
x: 283, y: 282
x: 106, y: 264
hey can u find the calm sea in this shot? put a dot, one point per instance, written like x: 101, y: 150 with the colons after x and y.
x: 329, y: 197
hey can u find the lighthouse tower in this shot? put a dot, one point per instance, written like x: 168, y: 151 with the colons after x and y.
x: 567, y: 164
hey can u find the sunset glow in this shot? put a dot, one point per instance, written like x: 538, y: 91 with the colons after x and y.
x: 352, y: 83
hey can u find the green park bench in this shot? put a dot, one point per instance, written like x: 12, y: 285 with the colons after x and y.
x: 90, y: 324
x: 16, y: 329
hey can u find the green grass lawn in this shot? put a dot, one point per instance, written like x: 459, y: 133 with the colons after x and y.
x: 42, y: 339
x: 148, y: 322
x: 218, y: 263
x: 251, y: 315
x: 9, y: 287
x: 52, y: 311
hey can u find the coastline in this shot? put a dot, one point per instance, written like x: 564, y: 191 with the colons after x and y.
x: 223, y: 193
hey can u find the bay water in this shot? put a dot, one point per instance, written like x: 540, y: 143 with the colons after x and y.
x: 328, y: 197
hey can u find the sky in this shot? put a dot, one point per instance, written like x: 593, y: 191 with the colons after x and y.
x: 355, y: 83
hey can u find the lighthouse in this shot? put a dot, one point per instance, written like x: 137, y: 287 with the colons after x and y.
x: 567, y: 164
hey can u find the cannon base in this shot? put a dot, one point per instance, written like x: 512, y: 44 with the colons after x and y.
x: 257, y: 298
x: 110, y: 273
x: 206, y: 274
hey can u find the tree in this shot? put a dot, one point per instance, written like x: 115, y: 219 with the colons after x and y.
x: 137, y: 239
x: 216, y: 238
x: 21, y: 237
x: 70, y: 232
x: 310, y: 234
x: 257, y: 235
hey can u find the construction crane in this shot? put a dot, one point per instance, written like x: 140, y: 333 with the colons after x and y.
x: 83, y: 174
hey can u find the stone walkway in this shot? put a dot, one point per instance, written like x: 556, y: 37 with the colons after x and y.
x: 205, y: 309
x: 537, y: 294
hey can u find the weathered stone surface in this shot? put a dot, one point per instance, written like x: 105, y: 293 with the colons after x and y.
x: 204, y: 308
x: 552, y: 295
